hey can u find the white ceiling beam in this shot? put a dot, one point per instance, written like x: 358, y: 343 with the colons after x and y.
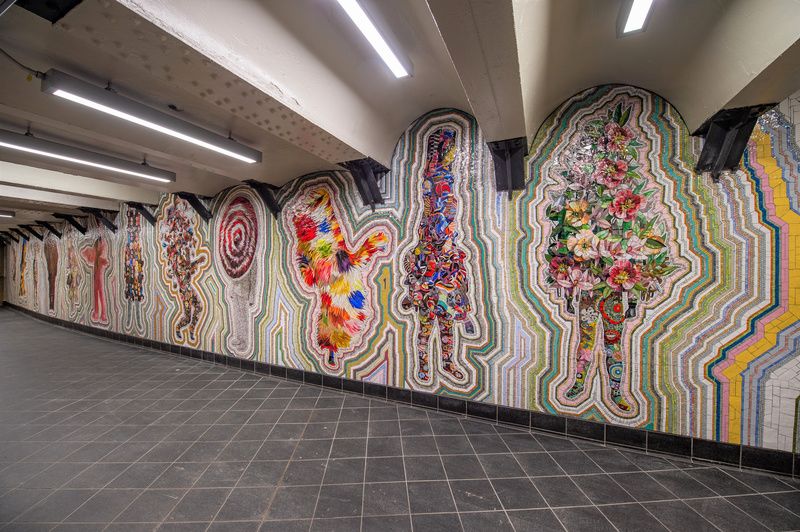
x: 480, y: 37
x: 39, y: 178
x: 8, y: 192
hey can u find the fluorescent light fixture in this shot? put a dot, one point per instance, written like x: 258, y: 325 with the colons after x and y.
x: 6, y: 214
x: 637, y: 16
x: 368, y: 29
x: 61, y: 152
x: 78, y: 91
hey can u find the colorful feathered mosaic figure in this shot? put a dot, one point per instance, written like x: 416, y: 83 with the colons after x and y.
x: 436, y: 273
x: 328, y: 265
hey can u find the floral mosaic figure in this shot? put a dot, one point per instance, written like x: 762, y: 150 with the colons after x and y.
x: 51, y: 261
x: 134, y: 261
x: 179, y: 245
x: 606, y: 252
x: 97, y: 257
x: 437, y: 277
x: 328, y: 265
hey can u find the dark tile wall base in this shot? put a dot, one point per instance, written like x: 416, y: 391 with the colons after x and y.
x: 781, y: 462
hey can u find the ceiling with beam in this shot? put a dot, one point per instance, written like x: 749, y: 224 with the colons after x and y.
x: 297, y: 81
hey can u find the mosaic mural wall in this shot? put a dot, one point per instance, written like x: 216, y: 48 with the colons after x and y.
x: 618, y: 286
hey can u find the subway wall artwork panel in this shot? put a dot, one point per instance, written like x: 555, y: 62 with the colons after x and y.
x: 618, y: 286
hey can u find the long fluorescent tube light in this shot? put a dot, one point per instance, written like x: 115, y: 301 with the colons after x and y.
x: 368, y: 29
x: 6, y: 214
x: 53, y: 150
x: 637, y: 16
x: 76, y: 90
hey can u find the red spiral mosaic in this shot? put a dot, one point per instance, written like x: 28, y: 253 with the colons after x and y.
x: 238, y: 236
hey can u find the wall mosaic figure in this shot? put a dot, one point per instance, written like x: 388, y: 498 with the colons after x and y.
x: 134, y: 260
x: 23, y: 267
x: 96, y: 256
x: 436, y: 276
x: 73, y: 274
x: 237, y: 238
x: 607, y: 253
x: 35, y: 260
x: 51, y: 260
x: 327, y: 265
x: 179, y: 247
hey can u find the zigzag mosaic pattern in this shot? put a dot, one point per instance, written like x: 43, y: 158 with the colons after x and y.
x: 712, y: 352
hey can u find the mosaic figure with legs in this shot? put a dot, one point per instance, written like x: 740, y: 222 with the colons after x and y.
x: 436, y: 273
x: 607, y: 252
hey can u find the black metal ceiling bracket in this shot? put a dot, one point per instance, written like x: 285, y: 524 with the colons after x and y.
x: 9, y: 235
x: 31, y: 230
x: 20, y: 233
x: 267, y: 194
x: 101, y: 218
x: 49, y: 227
x: 197, y: 204
x: 71, y: 221
x: 366, y: 173
x: 509, y: 164
x: 146, y: 214
x: 726, y: 135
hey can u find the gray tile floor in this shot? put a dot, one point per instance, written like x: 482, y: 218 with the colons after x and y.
x: 96, y: 435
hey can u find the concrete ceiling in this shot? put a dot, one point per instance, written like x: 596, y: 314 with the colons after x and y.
x: 294, y: 78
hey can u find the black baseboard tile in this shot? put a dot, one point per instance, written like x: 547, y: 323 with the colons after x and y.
x: 375, y: 390
x: 451, y: 404
x: 398, y: 394
x: 279, y: 371
x: 329, y: 381
x: 351, y: 385
x: 715, y: 451
x: 548, y: 422
x: 661, y: 442
x: 426, y: 400
x: 514, y: 416
x: 767, y: 459
x: 582, y: 428
x: 626, y: 436
x: 311, y: 377
x: 293, y: 374
x: 482, y: 410
x: 262, y: 368
x: 247, y: 365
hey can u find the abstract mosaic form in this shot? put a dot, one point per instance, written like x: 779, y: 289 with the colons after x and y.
x: 23, y: 267
x: 184, y: 261
x: 327, y: 265
x: 606, y: 253
x: 34, y: 251
x: 759, y: 374
x: 51, y: 260
x: 96, y: 256
x: 436, y: 275
x: 237, y: 243
x: 134, y: 261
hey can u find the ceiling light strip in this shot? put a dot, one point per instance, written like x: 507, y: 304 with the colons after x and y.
x: 637, y: 16
x: 7, y: 214
x: 62, y: 152
x: 106, y: 101
x: 368, y: 29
